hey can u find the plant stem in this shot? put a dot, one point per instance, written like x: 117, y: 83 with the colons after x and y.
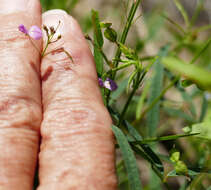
x: 130, y: 97
x: 201, y: 51
x: 99, y: 48
x: 156, y: 100
x: 125, y: 32
x: 123, y: 38
x: 46, y: 46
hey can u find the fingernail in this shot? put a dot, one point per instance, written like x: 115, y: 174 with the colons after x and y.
x: 13, y: 6
x: 53, y: 18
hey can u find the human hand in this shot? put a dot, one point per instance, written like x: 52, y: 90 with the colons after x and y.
x: 70, y: 120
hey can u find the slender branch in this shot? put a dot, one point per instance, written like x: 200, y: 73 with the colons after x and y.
x: 100, y: 49
x: 156, y: 100
x: 139, y: 80
x: 123, y: 38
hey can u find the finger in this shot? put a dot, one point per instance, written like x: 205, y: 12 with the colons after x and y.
x: 77, y: 149
x: 20, y: 96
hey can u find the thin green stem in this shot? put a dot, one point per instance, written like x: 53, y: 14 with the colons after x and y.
x: 100, y: 49
x: 156, y: 99
x: 201, y: 51
x: 174, y: 23
x: 203, y: 28
x: 126, y: 30
x: 45, y: 49
x: 139, y: 79
x: 123, y: 38
x: 164, y: 138
x: 196, y: 12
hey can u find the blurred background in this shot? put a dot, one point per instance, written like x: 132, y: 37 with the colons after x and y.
x: 153, y: 28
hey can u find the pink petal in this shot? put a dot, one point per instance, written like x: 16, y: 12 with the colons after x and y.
x: 35, y: 32
x: 22, y: 29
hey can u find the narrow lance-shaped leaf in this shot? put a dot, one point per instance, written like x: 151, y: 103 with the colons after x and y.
x: 153, y: 158
x: 155, y: 91
x: 98, y: 42
x: 97, y: 28
x: 129, y: 159
x: 182, y: 11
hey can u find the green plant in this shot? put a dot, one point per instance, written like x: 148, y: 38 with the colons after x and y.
x: 144, y: 122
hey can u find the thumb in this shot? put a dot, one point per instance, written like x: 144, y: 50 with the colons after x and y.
x: 77, y: 150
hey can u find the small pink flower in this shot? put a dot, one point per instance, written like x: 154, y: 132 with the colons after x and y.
x: 23, y: 29
x: 34, y: 32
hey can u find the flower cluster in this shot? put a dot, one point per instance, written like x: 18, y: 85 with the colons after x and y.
x: 108, y: 83
x: 34, y: 32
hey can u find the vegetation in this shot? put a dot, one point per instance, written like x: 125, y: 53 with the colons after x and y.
x: 161, y: 109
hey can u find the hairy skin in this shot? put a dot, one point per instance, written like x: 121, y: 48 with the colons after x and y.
x: 77, y: 144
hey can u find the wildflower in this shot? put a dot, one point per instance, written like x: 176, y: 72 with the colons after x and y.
x: 23, y: 29
x: 100, y: 81
x: 108, y: 83
x: 34, y: 32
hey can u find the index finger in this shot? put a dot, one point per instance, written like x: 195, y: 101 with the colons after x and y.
x: 20, y: 96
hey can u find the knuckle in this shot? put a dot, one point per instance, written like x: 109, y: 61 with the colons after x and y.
x: 78, y: 119
x: 20, y: 112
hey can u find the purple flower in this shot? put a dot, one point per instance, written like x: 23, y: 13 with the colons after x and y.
x: 23, y: 29
x: 35, y: 32
x: 110, y: 84
x: 100, y: 81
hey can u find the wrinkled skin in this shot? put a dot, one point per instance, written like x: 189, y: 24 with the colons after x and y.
x: 51, y: 102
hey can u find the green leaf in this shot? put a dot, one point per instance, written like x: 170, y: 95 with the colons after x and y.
x: 178, y: 113
x: 149, y: 153
x: 97, y: 29
x: 98, y: 42
x: 98, y: 58
x: 129, y: 159
x: 122, y: 174
x: 195, y: 73
x: 143, y: 150
x: 155, y: 91
x: 183, y: 12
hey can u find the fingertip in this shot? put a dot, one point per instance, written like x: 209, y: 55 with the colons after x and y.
x: 68, y: 28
